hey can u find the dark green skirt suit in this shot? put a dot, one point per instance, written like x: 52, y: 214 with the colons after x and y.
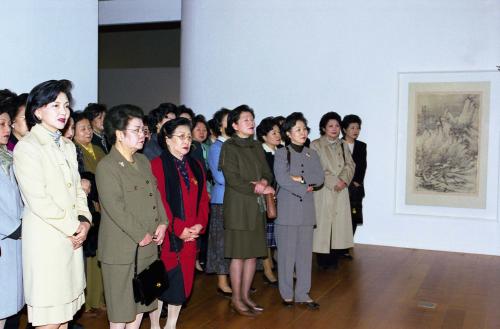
x: 242, y: 161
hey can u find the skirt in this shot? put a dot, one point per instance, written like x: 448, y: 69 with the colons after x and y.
x: 244, y: 244
x: 40, y: 316
x: 216, y: 263
x: 118, y: 291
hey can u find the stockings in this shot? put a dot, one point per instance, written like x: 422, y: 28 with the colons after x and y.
x: 173, y: 315
x: 241, y: 273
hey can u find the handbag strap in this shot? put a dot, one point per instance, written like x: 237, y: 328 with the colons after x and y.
x: 136, y: 255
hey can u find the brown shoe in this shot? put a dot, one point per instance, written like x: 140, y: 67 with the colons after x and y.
x: 241, y: 311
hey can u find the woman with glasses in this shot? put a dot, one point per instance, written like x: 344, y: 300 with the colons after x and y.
x: 182, y: 185
x: 133, y: 218
x: 248, y: 178
x: 56, y: 218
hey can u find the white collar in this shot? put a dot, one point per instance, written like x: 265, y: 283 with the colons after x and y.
x: 268, y: 149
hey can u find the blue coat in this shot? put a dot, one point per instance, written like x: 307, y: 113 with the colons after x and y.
x: 11, y: 278
x: 217, y: 192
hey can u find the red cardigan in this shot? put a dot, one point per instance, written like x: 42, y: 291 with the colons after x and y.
x: 187, y: 255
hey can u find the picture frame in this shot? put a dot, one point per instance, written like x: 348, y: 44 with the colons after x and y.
x: 447, y: 160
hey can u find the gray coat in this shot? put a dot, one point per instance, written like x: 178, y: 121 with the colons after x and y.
x: 11, y: 274
x: 295, y: 204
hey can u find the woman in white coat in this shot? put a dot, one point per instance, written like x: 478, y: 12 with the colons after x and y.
x: 11, y: 282
x: 56, y: 217
x: 333, y: 232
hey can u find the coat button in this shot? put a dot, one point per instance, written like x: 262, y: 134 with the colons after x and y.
x: 300, y: 200
x: 156, y: 220
x: 135, y: 187
x: 150, y: 194
x: 302, y: 165
x: 302, y: 171
x: 69, y: 185
x: 74, y: 206
x: 154, y: 207
x: 147, y: 182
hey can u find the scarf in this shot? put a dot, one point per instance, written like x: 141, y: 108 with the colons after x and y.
x: 5, y: 159
x: 173, y: 184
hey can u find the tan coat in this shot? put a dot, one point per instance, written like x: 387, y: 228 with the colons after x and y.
x: 50, y: 186
x: 333, y: 216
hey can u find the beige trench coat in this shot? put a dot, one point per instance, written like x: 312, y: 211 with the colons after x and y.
x: 333, y: 214
x: 50, y: 186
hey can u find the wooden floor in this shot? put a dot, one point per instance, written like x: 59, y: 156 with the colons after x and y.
x: 382, y: 288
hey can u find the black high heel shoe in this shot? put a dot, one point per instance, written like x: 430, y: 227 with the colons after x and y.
x: 269, y: 282
x: 312, y: 305
x: 224, y: 293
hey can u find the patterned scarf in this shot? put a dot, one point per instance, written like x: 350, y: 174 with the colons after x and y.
x: 5, y: 159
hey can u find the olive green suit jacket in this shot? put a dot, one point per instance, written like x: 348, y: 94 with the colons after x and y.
x: 131, y: 206
x: 242, y: 161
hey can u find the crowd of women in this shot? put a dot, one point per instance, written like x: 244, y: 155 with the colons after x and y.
x: 99, y: 195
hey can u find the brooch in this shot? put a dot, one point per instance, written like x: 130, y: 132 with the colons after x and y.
x: 194, y: 181
x: 121, y: 164
x: 308, y: 155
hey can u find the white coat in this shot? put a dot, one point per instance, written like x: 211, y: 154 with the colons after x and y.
x: 53, y: 197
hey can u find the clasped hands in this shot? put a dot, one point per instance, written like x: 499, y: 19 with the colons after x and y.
x: 80, y: 235
x: 191, y: 233
x: 157, y: 237
x: 262, y: 187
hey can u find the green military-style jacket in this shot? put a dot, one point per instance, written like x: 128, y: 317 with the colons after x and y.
x: 131, y: 206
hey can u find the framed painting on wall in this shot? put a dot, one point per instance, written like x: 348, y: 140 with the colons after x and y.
x: 447, y: 151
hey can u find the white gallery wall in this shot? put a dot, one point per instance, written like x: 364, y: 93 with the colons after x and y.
x: 281, y: 56
x: 49, y: 39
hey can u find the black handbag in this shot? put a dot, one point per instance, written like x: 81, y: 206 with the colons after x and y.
x: 151, y: 282
x: 356, y: 195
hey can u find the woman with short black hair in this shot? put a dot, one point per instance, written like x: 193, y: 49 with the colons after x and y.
x: 333, y: 232
x: 157, y: 118
x: 298, y: 171
x: 133, y: 220
x: 181, y: 183
x: 248, y: 177
x: 351, y: 126
x: 11, y: 206
x: 19, y: 126
x: 268, y: 133
x: 216, y: 262
x: 96, y: 113
x: 56, y: 215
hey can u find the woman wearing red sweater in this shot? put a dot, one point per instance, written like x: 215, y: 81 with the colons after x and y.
x: 181, y: 182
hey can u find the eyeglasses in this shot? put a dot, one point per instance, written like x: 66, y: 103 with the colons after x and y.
x: 137, y: 131
x: 184, y: 137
